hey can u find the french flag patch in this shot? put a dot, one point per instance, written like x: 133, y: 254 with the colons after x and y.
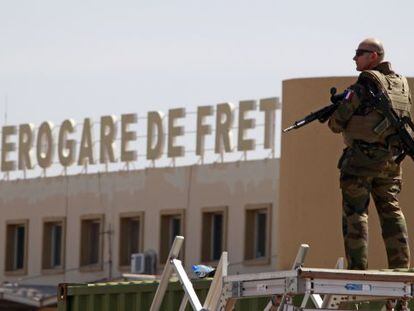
x: 349, y: 94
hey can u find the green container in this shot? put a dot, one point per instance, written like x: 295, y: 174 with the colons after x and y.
x: 134, y: 296
x: 138, y: 295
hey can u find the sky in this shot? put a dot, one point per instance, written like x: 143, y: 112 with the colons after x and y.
x: 83, y: 58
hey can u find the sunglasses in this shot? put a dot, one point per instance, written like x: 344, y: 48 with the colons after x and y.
x: 360, y: 52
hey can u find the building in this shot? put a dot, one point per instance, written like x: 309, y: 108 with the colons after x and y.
x: 84, y: 227
x: 310, y: 199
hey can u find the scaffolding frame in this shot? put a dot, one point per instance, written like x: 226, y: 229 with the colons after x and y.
x: 337, y: 286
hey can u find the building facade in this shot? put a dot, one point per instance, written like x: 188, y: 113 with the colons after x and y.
x: 85, y: 227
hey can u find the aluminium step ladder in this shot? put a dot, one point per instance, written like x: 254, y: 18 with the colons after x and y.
x: 337, y: 286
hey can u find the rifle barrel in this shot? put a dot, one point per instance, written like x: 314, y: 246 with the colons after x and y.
x: 295, y: 125
x: 288, y: 129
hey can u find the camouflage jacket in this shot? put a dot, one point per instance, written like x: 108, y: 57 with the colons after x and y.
x: 367, y: 155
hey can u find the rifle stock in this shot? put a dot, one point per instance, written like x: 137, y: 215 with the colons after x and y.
x: 401, y: 124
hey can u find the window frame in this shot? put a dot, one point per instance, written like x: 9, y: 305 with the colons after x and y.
x: 209, y: 212
x: 126, y: 215
x: 170, y: 213
x: 22, y: 271
x: 49, y: 269
x: 250, y: 244
x: 99, y: 265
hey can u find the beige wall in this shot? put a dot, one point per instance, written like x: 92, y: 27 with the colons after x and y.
x: 310, y: 201
x: 152, y: 190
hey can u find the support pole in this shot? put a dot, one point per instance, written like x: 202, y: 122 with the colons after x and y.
x: 187, y: 285
x: 299, y: 261
x: 214, y: 293
x: 166, y: 273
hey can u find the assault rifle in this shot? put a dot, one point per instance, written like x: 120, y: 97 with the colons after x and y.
x: 380, y: 101
x: 322, y: 114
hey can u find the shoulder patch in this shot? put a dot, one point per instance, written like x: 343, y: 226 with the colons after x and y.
x: 348, y: 95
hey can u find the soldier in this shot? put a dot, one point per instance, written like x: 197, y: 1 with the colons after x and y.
x: 369, y: 164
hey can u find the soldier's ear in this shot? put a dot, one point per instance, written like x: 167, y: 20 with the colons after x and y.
x: 374, y: 56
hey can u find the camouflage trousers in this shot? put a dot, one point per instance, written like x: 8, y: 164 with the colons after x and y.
x: 356, y: 191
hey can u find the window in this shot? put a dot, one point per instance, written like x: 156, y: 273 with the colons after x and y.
x: 131, y: 236
x: 257, y: 233
x: 213, y: 234
x: 172, y: 224
x: 16, y: 246
x: 91, y: 242
x: 53, y: 244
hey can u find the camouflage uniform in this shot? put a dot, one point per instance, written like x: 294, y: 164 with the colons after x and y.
x: 368, y: 167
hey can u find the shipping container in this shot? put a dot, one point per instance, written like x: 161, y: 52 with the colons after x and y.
x: 134, y: 296
x: 138, y: 295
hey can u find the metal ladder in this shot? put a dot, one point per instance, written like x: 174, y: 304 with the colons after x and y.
x: 225, y: 290
x: 173, y: 264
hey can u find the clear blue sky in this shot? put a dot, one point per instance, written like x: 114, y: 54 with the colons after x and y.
x: 80, y: 58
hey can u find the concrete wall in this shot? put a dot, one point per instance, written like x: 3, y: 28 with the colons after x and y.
x: 152, y: 190
x: 310, y: 200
